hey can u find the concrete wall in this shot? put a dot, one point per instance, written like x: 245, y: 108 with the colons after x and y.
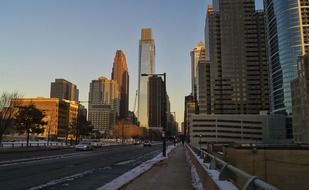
x: 287, y: 169
x: 207, y: 182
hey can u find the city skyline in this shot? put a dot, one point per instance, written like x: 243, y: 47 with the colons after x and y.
x: 76, y: 41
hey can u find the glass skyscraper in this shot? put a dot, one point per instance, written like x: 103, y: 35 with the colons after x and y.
x: 146, y: 66
x: 288, y: 38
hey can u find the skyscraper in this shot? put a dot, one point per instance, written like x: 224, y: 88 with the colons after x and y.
x: 146, y: 66
x: 235, y: 45
x: 63, y: 89
x: 121, y: 76
x: 288, y: 38
x: 155, y: 100
x: 196, y: 54
x: 300, y: 101
x: 103, y: 105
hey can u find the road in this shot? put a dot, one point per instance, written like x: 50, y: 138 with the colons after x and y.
x: 67, y: 169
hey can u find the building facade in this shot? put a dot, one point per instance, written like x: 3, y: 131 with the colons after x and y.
x: 146, y: 66
x: 197, y: 54
x: 155, y: 100
x: 300, y: 101
x: 104, y: 101
x: 121, y: 76
x: 102, y: 117
x: 60, y: 115
x: 236, y: 50
x: 240, y: 128
x: 288, y: 38
x: 64, y: 89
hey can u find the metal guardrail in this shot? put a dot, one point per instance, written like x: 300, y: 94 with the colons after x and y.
x: 252, y: 182
x: 31, y: 144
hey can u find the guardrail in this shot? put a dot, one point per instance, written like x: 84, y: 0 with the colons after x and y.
x: 226, y: 169
x: 31, y: 144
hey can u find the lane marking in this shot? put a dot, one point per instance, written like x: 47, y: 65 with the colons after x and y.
x: 124, y: 162
x: 61, y: 180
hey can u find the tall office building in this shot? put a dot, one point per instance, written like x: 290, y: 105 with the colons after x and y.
x: 63, y: 89
x: 121, y: 76
x: 236, y: 48
x: 300, y: 101
x: 146, y: 66
x: 288, y: 38
x: 155, y: 100
x: 103, y: 105
x: 197, y: 54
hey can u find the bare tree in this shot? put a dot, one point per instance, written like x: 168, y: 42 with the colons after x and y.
x: 7, y: 111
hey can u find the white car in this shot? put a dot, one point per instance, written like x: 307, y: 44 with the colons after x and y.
x: 84, y: 146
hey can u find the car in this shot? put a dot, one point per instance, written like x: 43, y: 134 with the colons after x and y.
x: 147, y: 143
x: 96, y: 143
x: 84, y: 146
x: 137, y: 142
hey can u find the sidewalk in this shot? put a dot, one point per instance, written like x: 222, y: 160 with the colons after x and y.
x: 171, y: 173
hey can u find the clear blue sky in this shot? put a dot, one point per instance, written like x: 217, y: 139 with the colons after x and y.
x: 41, y: 40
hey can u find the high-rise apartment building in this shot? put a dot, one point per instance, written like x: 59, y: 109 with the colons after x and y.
x: 64, y: 89
x: 103, y: 105
x: 197, y: 54
x: 146, y: 66
x: 288, y: 38
x: 236, y: 49
x: 121, y: 76
x: 155, y: 102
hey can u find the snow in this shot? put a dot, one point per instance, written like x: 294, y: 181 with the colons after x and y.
x: 135, y: 172
x: 196, y: 182
x: 214, y: 174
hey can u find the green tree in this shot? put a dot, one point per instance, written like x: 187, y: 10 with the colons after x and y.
x: 29, y: 120
x: 7, y: 111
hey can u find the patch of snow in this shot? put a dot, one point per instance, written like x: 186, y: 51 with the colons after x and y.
x: 214, y: 174
x: 135, y: 172
x: 196, y: 182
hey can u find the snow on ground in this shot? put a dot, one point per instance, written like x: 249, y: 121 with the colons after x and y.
x: 196, y: 182
x: 214, y: 174
x: 135, y: 172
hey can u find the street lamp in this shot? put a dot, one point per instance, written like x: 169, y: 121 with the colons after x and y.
x: 200, y: 141
x: 164, y: 108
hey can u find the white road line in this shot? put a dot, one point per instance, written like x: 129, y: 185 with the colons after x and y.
x: 61, y: 180
x: 124, y: 162
x: 26, y: 160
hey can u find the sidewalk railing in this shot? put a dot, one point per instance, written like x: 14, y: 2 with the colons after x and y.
x: 31, y: 144
x: 226, y: 171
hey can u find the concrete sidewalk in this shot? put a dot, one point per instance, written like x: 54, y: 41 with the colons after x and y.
x: 171, y: 173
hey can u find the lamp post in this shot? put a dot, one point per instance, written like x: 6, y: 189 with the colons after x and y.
x: 164, y: 117
x: 200, y: 142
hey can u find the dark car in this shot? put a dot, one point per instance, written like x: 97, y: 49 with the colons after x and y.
x: 147, y: 143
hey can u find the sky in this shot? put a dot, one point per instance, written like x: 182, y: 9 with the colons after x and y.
x: 41, y: 40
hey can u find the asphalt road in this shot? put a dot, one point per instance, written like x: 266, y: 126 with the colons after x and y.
x: 67, y: 169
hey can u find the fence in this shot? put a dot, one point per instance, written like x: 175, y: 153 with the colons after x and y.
x: 31, y: 144
x: 226, y: 171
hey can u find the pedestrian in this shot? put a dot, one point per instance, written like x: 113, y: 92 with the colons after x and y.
x: 183, y: 141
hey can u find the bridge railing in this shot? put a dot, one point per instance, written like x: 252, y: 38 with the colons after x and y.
x: 226, y: 171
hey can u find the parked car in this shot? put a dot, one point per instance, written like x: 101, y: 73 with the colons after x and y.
x: 84, y: 146
x: 147, y: 143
